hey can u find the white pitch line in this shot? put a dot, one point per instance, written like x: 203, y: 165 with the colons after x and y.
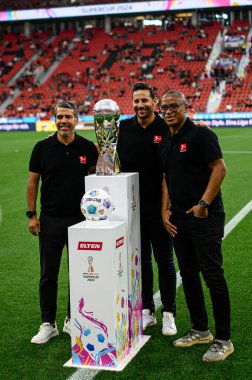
x: 157, y: 299
x: 89, y: 374
x: 237, y: 218
x: 84, y: 374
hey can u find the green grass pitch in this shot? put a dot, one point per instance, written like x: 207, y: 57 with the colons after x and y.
x: 158, y: 359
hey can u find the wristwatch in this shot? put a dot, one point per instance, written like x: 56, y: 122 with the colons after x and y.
x: 203, y: 204
x: 30, y: 214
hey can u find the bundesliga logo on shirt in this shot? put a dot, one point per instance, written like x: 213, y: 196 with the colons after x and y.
x: 83, y: 159
x: 157, y: 139
x: 182, y: 148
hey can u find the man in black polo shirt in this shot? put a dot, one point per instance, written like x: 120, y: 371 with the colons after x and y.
x: 193, y: 214
x: 61, y: 162
x: 137, y: 148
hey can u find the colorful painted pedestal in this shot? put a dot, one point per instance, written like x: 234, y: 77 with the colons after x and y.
x: 124, y: 189
x: 99, y: 294
x: 105, y: 281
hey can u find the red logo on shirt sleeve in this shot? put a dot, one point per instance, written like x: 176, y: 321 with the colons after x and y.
x: 83, y: 159
x: 182, y: 148
x: 157, y: 139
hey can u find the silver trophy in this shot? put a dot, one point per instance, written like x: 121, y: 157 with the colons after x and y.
x: 106, y: 123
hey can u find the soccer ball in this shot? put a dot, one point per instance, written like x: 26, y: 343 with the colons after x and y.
x: 94, y: 340
x: 96, y: 205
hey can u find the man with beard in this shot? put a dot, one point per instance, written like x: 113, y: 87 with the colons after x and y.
x: 61, y: 162
x: 137, y: 148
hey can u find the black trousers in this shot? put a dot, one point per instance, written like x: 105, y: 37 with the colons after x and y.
x: 53, y: 238
x: 198, y: 249
x: 154, y: 237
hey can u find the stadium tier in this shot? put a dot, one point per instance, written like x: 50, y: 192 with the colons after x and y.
x: 89, y: 64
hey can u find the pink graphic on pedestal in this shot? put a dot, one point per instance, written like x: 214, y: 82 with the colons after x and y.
x: 122, y: 331
x: 92, y: 346
x: 135, y: 302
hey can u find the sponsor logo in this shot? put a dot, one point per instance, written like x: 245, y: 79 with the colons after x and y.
x: 120, y: 242
x: 83, y: 159
x: 182, y: 148
x: 89, y: 246
x: 157, y: 139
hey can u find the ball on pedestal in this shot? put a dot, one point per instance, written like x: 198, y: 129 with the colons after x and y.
x: 96, y: 205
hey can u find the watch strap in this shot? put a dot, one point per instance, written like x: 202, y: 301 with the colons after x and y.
x: 30, y: 214
x: 203, y: 203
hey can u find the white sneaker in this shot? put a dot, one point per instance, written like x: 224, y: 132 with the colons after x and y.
x: 46, y: 332
x: 67, y: 326
x: 149, y: 318
x: 169, y: 327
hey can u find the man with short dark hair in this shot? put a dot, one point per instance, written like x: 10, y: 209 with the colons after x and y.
x: 193, y: 214
x: 61, y: 162
x: 137, y: 148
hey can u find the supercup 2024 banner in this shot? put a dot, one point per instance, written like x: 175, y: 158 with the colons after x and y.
x: 118, y: 8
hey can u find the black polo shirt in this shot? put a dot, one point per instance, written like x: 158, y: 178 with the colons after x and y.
x: 62, y: 168
x: 185, y: 157
x: 138, y: 152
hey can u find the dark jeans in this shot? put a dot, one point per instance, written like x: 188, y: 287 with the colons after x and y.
x: 155, y: 237
x: 52, y: 239
x: 198, y: 249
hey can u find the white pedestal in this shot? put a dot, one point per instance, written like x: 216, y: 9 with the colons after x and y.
x: 124, y: 189
x: 99, y: 294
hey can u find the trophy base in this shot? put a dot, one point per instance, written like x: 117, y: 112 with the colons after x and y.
x: 107, y: 165
x: 106, y: 172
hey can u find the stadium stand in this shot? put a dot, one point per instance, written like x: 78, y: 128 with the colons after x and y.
x: 37, y: 72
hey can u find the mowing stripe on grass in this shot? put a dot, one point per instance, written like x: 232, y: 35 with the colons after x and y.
x: 88, y: 374
x: 237, y: 151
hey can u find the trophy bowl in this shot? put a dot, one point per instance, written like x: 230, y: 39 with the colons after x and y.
x: 106, y: 107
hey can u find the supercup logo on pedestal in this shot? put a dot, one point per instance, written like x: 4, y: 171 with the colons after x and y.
x: 90, y: 274
x: 106, y: 122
